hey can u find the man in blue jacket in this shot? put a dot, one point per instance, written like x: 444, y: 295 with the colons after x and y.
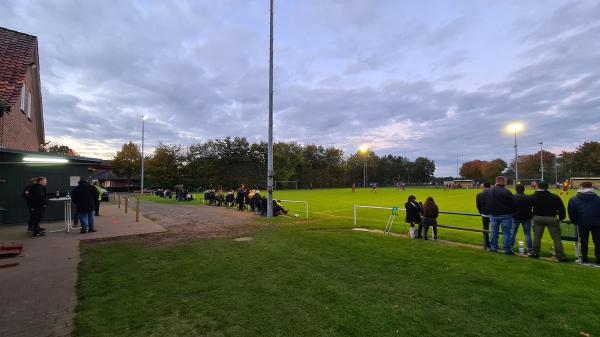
x: 584, y: 211
x: 499, y: 203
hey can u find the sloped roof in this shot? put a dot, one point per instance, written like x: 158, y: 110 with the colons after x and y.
x: 16, y: 54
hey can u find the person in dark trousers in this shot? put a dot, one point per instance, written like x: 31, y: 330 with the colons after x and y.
x: 37, y: 203
x: 99, y: 199
x: 548, y: 212
x: 499, y: 202
x: 413, y: 215
x: 84, y: 196
x: 27, y: 196
x: 241, y: 197
x: 584, y: 211
x: 430, y: 213
x: 485, y: 216
x: 522, y: 217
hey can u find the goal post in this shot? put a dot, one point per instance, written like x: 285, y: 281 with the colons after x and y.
x: 299, y: 202
x: 286, y: 184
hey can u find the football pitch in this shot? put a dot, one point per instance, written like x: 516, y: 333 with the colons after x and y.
x: 320, y: 278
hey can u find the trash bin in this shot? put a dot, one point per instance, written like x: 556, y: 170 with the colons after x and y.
x: 2, y: 214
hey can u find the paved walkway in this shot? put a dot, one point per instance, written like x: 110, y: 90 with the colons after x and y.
x: 37, y: 297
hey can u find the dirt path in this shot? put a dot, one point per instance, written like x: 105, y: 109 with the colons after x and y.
x: 186, y: 222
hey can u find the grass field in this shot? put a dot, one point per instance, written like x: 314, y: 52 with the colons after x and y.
x: 318, y: 278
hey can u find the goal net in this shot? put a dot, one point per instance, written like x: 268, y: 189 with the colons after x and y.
x: 296, y: 208
x: 286, y: 185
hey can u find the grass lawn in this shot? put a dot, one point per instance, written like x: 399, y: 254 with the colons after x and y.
x: 318, y: 278
x: 301, y: 282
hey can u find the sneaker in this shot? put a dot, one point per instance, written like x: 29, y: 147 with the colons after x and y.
x: 581, y: 261
x: 92, y: 230
x: 39, y: 234
x: 83, y: 231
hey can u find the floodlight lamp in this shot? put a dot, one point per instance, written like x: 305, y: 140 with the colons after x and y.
x: 363, y: 148
x: 144, y: 117
x: 44, y: 160
x: 515, y: 127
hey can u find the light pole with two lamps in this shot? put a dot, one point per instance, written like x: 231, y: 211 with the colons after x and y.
x: 144, y: 117
x: 364, y: 149
x: 515, y: 128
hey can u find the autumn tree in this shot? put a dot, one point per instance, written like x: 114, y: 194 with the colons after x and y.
x: 127, y: 162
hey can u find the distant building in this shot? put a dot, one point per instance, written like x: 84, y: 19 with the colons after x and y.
x: 110, y: 181
x: 21, y: 113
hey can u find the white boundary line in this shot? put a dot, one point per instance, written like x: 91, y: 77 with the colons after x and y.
x: 298, y: 202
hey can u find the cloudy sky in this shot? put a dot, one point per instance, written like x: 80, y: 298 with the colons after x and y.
x: 431, y: 78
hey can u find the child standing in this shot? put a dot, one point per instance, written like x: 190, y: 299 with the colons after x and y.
x: 413, y: 216
x: 430, y: 213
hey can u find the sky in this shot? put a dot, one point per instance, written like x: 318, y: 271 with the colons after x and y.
x: 439, y: 79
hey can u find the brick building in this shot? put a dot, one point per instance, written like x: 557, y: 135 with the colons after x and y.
x: 22, y: 120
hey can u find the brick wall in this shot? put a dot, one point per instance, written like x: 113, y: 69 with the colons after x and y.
x: 18, y: 131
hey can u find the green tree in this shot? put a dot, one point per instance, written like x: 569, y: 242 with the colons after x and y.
x: 127, y: 162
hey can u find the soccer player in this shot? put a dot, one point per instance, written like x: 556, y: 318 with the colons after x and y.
x: 374, y: 188
x: 565, y: 187
x: 353, y: 187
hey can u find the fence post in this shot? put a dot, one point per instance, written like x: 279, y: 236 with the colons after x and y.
x: 137, y: 210
x: 126, y: 204
x: 119, y: 195
x: 306, y: 205
x: 354, y: 214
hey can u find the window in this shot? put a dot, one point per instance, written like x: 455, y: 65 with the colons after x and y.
x: 29, y: 105
x: 23, y: 92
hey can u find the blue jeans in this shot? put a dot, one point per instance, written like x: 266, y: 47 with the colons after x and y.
x: 526, y: 230
x: 505, y: 221
x: 87, y: 220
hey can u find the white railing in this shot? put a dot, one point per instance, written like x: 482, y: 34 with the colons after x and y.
x: 298, y: 202
x: 356, y: 207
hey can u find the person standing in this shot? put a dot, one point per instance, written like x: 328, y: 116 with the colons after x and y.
x: 485, y: 216
x: 27, y: 196
x: 99, y: 199
x: 522, y: 216
x: 37, y: 204
x: 413, y: 216
x: 584, y: 211
x: 241, y: 196
x: 499, y: 202
x: 430, y: 214
x: 84, y: 196
x: 548, y: 211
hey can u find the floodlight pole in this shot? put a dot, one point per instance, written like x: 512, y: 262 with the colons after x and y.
x: 142, y: 173
x: 270, y: 141
x: 516, y: 163
x: 542, y: 159
x: 365, y: 169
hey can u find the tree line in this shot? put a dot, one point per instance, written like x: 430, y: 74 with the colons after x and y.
x: 230, y: 161
x: 584, y: 161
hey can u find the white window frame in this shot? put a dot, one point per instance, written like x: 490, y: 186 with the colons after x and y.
x: 29, y: 105
x: 23, y: 92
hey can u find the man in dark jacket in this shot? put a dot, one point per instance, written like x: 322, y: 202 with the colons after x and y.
x: 584, y: 211
x: 485, y: 216
x: 37, y: 203
x: 548, y: 211
x: 500, y: 204
x: 84, y: 197
x: 522, y: 216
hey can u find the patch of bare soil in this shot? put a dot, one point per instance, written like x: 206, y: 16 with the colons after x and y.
x: 189, y: 222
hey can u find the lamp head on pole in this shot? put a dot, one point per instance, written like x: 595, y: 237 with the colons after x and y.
x: 363, y: 148
x: 144, y: 117
x: 515, y: 127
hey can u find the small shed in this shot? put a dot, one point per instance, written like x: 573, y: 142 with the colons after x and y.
x: 17, y: 168
x: 464, y: 183
x: 576, y: 181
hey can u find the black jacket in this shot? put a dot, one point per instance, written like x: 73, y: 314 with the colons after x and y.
x: 413, y: 212
x: 480, y: 204
x: 84, y: 197
x: 498, y: 200
x: 36, y: 196
x: 524, y: 206
x: 584, y: 209
x: 548, y: 204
